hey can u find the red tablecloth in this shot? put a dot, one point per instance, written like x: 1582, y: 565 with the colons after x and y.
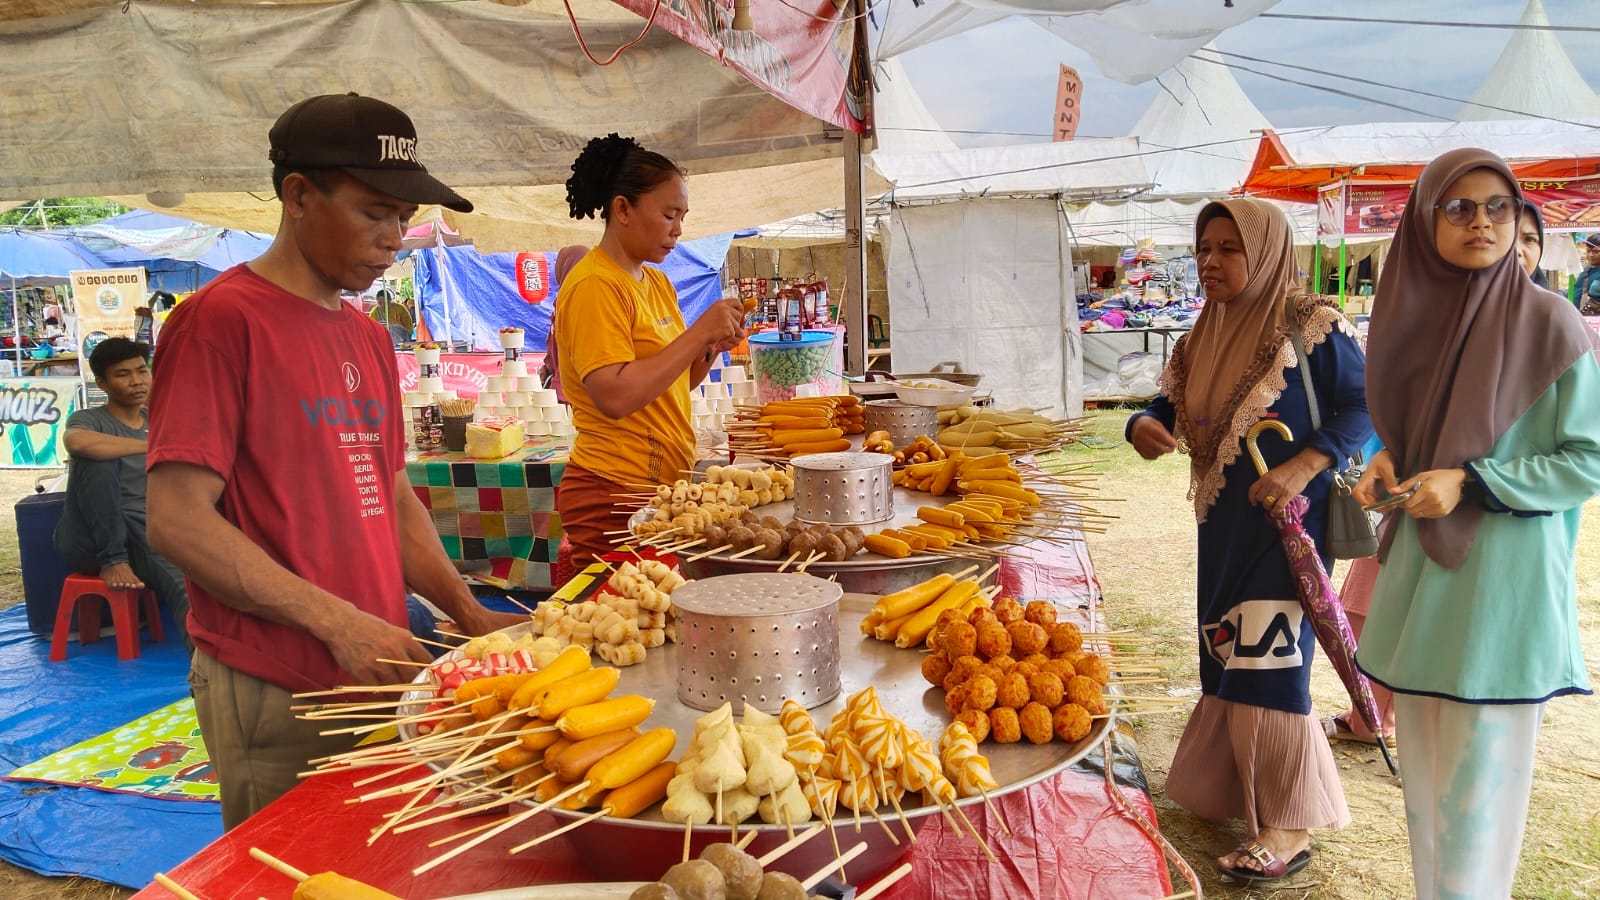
x: 1068, y: 838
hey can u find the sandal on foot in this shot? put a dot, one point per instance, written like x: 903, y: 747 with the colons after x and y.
x: 1337, y: 728
x: 1272, y: 868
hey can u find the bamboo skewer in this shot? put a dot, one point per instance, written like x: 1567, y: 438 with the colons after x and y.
x: 549, y: 835
x: 363, y: 729
x: 993, y: 811
x: 886, y: 882
x: 748, y: 839
x: 277, y: 865
x: 792, y: 557
x: 779, y: 851
x: 503, y: 826
x: 816, y: 877
x: 181, y: 892
x: 503, y: 800
x: 702, y: 555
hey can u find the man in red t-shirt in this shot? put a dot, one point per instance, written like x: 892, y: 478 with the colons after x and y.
x: 277, y: 462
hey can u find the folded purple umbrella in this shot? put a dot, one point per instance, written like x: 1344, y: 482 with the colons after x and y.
x: 1318, y: 597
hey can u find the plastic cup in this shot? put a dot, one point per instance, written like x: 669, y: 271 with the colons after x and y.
x: 455, y: 432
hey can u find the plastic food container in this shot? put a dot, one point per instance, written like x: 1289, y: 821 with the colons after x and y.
x: 780, y: 367
x: 933, y: 392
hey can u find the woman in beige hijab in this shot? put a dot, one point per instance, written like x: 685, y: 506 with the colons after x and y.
x: 1253, y: 749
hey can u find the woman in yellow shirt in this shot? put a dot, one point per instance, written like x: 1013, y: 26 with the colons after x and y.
x: 627, y: 361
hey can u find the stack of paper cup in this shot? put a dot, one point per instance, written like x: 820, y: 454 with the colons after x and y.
x: 530, y: 384
x: 544, y: 398
x: 514, y: 368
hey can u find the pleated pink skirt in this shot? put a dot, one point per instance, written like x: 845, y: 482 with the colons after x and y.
x: 1271, y: 769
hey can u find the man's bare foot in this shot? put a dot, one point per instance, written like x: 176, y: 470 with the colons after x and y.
x: 1285, y: 845
x: 120, y: 575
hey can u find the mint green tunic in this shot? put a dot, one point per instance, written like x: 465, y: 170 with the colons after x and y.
x: 1504, y: 627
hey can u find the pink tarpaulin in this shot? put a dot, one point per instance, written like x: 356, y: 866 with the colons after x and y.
x: 465, y: 373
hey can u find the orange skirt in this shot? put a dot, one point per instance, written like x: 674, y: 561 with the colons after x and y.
x: 588, y: 507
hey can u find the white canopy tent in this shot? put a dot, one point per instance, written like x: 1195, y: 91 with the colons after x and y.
x: 1203, y: 127
x: 1533, y: 77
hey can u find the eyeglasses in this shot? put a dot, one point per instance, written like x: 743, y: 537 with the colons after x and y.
x: 1461, y: 211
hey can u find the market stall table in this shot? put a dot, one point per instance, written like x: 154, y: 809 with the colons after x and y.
x: 1069, y: 840
x: 501, y: 511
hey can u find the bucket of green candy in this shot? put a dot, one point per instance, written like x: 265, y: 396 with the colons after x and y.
x: 781, y: 367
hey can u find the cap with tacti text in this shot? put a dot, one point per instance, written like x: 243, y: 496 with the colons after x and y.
x: 368, y: 139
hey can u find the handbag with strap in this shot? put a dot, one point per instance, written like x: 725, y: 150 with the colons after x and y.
x: 1351, y: 533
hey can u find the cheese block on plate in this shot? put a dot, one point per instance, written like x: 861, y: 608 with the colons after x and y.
x: 494, y: 437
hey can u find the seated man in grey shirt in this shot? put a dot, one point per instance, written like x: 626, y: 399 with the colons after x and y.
x: 102, y: 528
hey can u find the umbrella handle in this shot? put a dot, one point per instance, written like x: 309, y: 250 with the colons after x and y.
x: 1254, y: 434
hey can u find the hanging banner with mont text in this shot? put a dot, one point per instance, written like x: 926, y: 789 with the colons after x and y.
x: 1069, y: 96
x: 105, y: 300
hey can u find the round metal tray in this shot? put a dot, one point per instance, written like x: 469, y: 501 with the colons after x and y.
x: 654, y: 844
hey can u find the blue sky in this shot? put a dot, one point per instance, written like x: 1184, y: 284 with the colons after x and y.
x: 1002, y: 78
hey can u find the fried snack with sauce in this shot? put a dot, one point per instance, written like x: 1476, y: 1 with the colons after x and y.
x: 1026, y: 637
x: 993, y: 640
x: 960, y: 639
x: 982, y: 616
x: 1008, y: 610
x: 982, y: 693
x: 1059, y: 668
x: 1072, y: 723
x: 965, y: 666
x: 1004, y: 725
x: 1003, y: 662
x: 1093, y: 666
x: 1036, y: 723
x: 935, y: 667
x: 1047, y: 689
x: 955, y: 700
x: 1040, y: 612
x: 1012, y: 691
x: 1025, y: 669
x: 1065, y: 638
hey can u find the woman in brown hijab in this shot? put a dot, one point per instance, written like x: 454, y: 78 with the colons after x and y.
x: 1253, y: 749
x: 1484, y: 393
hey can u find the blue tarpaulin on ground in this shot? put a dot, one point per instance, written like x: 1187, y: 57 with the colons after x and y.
x: 46, y: 707
x: 484, y: 295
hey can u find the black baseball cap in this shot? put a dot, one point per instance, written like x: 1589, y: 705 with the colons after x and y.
x: 1593, y: 241
x: 369, y: 140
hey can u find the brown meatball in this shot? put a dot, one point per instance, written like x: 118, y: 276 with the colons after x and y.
x: 655, y: 890
x: 935, y: 666
x: 803, y: 544
x: 993, y: 641
x: 1047, y: 689
x: 1083, y: 691
x: 696, y: 880
x: 1040, y: 612
x: 1012, y: 691
x: 981, y: 693
x: 779, y: 886
x: 1059, y: 668
x: 1065, y: 637
x: 1027, y: 637
x: 771, y: 541
x: 952, y: 681
x: 741, y: 538
x: 977, y: 722
x: 854, y: 539
x: 1003, y: 662
x: 961, y: 639
x: 955, y: 699
x: 750, y: 520
x: 982, y: 616
x: 794, y: 527
x: 1036, y: 724
x: 1004, y: 726
x: 741, y: 874
x: 1093, y: 666
x: 1008, y: 610
x: 834, y: 548
x: 1072, y: 722
x: 771, y: 522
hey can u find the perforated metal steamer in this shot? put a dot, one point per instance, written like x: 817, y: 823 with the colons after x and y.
x: 844, y: 488
x: 757, y: 639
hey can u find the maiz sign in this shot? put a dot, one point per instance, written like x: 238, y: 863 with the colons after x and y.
x: 33, y: 417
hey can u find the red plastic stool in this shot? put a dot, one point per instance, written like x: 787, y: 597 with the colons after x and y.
x: 124, y: 604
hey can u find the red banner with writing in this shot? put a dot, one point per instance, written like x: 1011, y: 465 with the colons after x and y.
x: 1566, y: 204
x: 1069, y: 94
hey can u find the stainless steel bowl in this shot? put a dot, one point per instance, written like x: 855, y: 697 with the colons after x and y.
x: 903, y: 421
x: 756, y: 639
x: 844, y: 488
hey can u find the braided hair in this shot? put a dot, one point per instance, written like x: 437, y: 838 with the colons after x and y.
x: 614, y: 166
